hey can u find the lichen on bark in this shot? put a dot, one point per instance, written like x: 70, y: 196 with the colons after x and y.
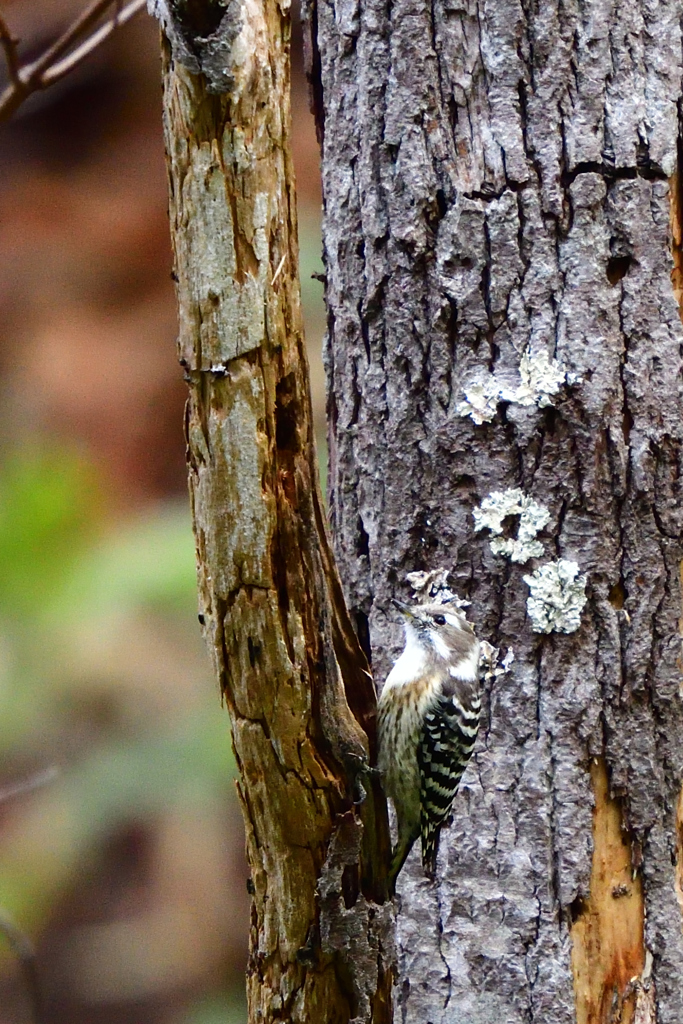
x: 496, y: 181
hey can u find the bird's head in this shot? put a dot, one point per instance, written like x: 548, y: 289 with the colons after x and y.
x: 441, y: 629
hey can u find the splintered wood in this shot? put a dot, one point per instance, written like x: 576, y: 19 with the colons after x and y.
x: 608, y: 954
x: 676, y: 199
x: 283, y: 648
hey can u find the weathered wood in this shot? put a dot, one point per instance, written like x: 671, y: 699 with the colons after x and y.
x: 270, y: 600
x: 501, y: 316
x: 608, y: 953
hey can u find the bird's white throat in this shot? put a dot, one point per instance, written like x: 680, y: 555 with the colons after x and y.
x: 413, y: 661
x: 411, y: 664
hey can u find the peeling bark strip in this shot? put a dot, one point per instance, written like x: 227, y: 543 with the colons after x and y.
x: 496, y: 195
x: 270, y: 600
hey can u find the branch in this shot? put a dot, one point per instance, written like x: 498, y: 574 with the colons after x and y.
x: 40, y: 778
x: 9, y: 45
x: 57, y: 61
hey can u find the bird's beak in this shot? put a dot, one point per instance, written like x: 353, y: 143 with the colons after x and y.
x: 404, y: 608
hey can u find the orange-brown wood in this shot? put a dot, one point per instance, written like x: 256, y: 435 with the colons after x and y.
x: 608, y: 954
x: 675, y: 185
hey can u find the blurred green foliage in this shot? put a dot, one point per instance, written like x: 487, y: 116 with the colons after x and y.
x: 49, y: 507
x: 131, y: 733
x: 311, y: 269
x: 310, y: 264
x: 217, y: 1010
x: 148, y: 564
x: 103, y: 673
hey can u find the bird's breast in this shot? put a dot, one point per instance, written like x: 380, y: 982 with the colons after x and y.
x: 401, y: 712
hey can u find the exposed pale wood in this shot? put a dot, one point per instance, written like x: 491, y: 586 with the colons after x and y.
x: 269, y: 597
x: 608, y: 951
x: 679, y: 850
x: 496, y: 175
x: 675, y: 186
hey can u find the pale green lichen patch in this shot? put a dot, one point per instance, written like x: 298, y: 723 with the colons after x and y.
x: 532, y: 518
x: 557, y: 597
x: 481, y: 400
x: 211, y: 254
x: 540, y: 380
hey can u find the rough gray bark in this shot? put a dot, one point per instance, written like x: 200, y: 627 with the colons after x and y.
x: 496, y: 182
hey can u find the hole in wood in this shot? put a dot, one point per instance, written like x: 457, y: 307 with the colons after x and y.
x: 350, y: 887
x: 617, y: 268
x: 286, y: 415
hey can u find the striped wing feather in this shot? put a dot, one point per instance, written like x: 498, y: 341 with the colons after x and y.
x: 445, y: 747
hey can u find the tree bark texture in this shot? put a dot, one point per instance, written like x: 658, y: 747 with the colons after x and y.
x: 497, y: 187
x: 270, y: 600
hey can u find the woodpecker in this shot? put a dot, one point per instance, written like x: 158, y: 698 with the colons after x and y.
x: 428, y: 717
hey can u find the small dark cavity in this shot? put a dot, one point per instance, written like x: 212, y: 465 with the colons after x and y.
x: 617, y: 268
x: 576, y: 908
x: 286, y: 415
x: 626, y: 424
x: 363, y: 632
x: 350, y: 887
x: 254, y: 651
x: 199, y: 18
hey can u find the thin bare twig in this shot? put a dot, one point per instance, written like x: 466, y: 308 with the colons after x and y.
x: 61, y: 68
x: 9, y: 45
x: 40, y: 778
x: 57, y: 61
x: 85, y: 21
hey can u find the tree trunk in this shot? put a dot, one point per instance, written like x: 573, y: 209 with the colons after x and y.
x: 270, y: 599
x: 502, y: 326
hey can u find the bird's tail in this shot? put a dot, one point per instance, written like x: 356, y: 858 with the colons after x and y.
x: 430, y: 848
x: 399, y: 856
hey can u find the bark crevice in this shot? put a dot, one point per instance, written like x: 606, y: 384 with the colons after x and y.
x: 510, y: 191
x: 292, y: 673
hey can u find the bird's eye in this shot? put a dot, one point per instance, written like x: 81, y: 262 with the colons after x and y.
x: 440, y: 620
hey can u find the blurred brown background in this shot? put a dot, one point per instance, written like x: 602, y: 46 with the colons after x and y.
x: 126, y: 867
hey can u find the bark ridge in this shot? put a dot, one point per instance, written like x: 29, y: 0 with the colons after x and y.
x: 496, y: 186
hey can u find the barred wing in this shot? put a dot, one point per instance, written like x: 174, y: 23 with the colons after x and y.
x: 446, y: 745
